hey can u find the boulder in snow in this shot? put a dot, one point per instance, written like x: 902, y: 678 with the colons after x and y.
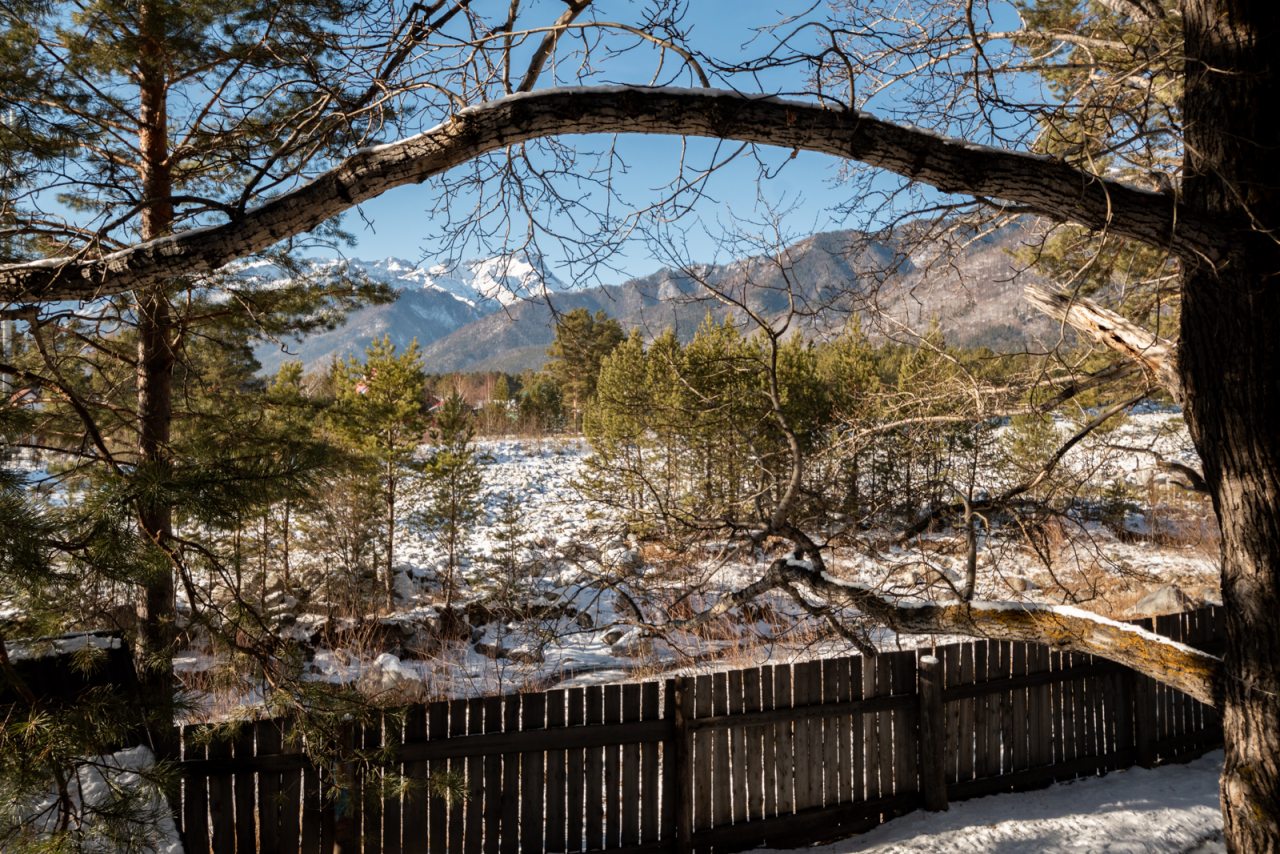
x: 1166, y: 599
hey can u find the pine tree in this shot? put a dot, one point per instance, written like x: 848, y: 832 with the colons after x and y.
x: 506, y: 558
x: 542, y: 405
x: 380, y: 413
x: 453, y: 482
x: 581, y: 343
x: 117, y: 105
x: 847, y: 366
x: 617, y: 423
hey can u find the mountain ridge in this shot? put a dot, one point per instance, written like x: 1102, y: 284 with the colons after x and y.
x: 472, y: 319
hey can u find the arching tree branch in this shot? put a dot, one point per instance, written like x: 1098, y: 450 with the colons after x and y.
x: 1040, y: 184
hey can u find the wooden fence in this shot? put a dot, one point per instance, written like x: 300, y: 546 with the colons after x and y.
x: 780, y: 755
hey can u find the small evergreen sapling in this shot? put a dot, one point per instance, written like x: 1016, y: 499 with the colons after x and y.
x: 453, y: 482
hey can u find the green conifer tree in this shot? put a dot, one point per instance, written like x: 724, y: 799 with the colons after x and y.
x: 152, y: 117
x: 617, y: 423
x: 453, y: 482
x: 581, y: 343
x: 380, y: 413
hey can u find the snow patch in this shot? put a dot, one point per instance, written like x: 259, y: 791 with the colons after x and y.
x: 1169, y: 809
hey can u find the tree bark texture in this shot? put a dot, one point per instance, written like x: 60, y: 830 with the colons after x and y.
x: 1157, y: 356
x: 1230, y: 365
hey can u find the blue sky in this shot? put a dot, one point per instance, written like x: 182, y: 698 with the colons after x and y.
x: 807, y: 185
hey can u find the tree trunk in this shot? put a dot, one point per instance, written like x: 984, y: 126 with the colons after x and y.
x: 389, y: 570
x: 285, y: 541
x: 1229, y: 357
x: 156, y: 610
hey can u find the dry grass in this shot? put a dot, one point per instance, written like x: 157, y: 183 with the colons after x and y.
x: 1181, y: 525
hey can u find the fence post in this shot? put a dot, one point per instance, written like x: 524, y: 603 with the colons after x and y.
x: 681, y: 767
x: 933, y: 778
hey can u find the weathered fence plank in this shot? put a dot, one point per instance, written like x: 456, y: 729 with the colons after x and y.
x: 843, y: 725
x: 509, y: 829
x: 784, y: 755
x: 593, y: 795
x: 221, y: 803
x: 905, y: 725
x: 754, y: 758
x: 574, y: 775
x: 737, y: 749
x: 933, y: 772
x: 871, y: 733
x: 392, y: 824
x: 246, y: 821
x: 721, y: 784
x: 967, y: 734
x: 473, y: 834
x: 492, y: 779
x: 268, y: 744
x: 884, y: 684
x: 979, y: 711
x: 769, y: 743
x: 415, y: 799
x: 289, y: 830
x: 650, y: 782
x: 680, y: 786
x: 630, y: 769
x: 313, y: 808
x: 438, y: 770
x: 533, y: 716
x: 555, y: 823
x: 831, y: 724
x: 857, y: 740
x: 195, y: 797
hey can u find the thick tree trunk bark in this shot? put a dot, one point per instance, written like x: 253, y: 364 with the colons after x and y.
x: 157, y: 627
x: 1230, y: 354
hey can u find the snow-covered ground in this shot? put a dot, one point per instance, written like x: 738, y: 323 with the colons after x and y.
x: 566, y: 614
x: 115, y: 804
x: 1158, y: 811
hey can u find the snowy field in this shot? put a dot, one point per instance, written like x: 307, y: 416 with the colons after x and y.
x: 569, y: 619
x: 1164, y: 810
x: 578, y: 564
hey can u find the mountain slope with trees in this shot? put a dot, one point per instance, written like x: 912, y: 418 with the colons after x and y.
x: 976, y: 298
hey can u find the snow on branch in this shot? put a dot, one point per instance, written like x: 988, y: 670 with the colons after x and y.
x: 1038, y: 183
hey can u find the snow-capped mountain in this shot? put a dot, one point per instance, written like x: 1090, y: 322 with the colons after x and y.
x: 511, y: 278
x: 501, y: 280
x: 433, y: 301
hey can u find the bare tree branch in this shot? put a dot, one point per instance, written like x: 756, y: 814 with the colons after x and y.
x: 1023, y: 486
x: 548, y: 44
